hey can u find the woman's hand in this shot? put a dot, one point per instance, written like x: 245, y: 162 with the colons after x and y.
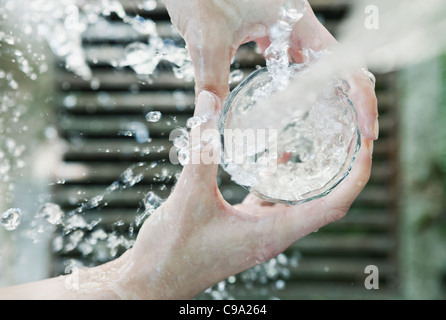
x: 196, y: 238
x: 215, y: 29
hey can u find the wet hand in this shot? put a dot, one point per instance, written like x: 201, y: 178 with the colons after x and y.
x: 196, y: 239
x: 214, y: 30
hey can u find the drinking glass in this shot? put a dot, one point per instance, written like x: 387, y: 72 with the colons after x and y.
x: 289, y: 152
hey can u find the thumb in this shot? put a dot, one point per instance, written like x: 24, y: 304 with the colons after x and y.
x: 204, y: 144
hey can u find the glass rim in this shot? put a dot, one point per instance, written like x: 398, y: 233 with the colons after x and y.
x: 343, y: 172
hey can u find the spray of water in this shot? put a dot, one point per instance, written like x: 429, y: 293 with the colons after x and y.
x: 407, y: 33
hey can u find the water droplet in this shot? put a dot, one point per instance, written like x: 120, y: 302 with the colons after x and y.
x: 73, y: 240
x: 57, y: 244
x: 137, y: 130
x: 144, y: 26
x: 232, y: 279
x: 50, y: 132
x: 13, y: 84
x: 153, y: 116
x: 235, y: 76
x: 149, y: 5
x: 11, y: 219
x: 98, y: 234
x: 142, y: 58
x: 282, y: 259
x: 280, y: 284
x: 70, y: 101
x: 193, y: 122
x: 104, y: 99
x: 151, y: 202
x: 129, y: 179
x: 95, y: 84
x: 95, y: 201
x: 52, y: 213
x: 76, y: 221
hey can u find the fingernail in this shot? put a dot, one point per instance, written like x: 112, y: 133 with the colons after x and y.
x: 205, y: 104
x: 376, y: 129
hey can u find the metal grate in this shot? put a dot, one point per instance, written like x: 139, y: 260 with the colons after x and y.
x: 332, y: 261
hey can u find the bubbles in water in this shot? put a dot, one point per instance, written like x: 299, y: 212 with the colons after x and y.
x: 153, y: 116
x: 313, y: 149
x: 276, y: 55
x: 11, y: 218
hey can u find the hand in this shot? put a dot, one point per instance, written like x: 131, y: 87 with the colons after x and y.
x: 214, y: 30
x: 196, y: 239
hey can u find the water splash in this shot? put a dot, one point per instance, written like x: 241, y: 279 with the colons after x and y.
x: 408, y: 33
x: 11, y: 219
x: 52, y: 213
x: 61, y: 24
x: 265, y: 279
x: 136, y: 129
x: 153, y: 116
x: 151, y: 202
x: 127, y: 179
x: 276, y: 55
x: 144, y: 58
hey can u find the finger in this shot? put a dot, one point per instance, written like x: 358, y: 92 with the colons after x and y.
x: 362, y: 94
x: 335, y: 205
x: 263, y: 44
x: 204, y: 144
x: 308, y: 32
x: 211, y: 51
x: 342, y: 197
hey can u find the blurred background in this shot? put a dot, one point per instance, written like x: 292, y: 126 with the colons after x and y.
x: 84, y: 156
